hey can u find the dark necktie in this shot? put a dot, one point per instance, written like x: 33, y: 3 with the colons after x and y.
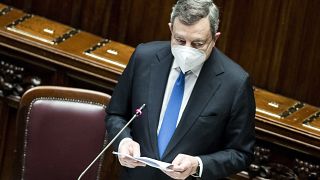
x: 171, y: 115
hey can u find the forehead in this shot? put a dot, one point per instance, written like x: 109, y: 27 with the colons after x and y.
x: 198, y: 30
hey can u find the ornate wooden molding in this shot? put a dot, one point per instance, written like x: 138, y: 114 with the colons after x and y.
x: 264, y: 168
x: 14, y: 80
x: 307, y: 170
x: 5, y: 10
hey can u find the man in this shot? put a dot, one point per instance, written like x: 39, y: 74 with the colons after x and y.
x: 199, y: 104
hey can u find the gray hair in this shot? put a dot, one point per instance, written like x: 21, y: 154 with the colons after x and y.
x: 191, y: 11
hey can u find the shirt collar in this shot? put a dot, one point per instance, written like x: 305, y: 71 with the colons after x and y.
x: 196, y: 70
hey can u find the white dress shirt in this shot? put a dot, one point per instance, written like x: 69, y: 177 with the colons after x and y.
x: 190, y: 80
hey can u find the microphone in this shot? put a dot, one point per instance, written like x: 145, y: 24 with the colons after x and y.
x: 137, y: 114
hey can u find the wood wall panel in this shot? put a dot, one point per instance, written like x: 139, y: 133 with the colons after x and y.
x: 8, y: 143
x: 276, y: 41
x: 3, y: 127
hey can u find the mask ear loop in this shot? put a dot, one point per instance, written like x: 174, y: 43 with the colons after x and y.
x: 206, y: 50
x: 212, y: 40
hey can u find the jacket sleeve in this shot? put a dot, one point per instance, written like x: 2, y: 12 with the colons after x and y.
x: 119, y: 108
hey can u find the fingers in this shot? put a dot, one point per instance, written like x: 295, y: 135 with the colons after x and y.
x: 132, y: 148
x: 173, y: 174
x: 179, y: 164
x: 183, y: 166
x: 130, y: 163
x: 135, y: 150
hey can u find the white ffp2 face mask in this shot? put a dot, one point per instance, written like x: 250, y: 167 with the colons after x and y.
x: 188, y: 57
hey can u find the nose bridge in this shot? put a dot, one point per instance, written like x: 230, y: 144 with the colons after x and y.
x: 188, y: 43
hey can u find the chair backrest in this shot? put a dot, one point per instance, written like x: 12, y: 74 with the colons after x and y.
x: 60, y: 130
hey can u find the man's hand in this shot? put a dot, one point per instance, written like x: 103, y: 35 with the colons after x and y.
x: 183, y: 166
x: 130, y: 147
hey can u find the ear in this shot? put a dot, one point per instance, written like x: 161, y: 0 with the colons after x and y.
x: 170, y: 26
x: 216, y: 36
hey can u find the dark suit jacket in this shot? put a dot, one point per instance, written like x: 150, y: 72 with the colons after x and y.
x: 217, y: 124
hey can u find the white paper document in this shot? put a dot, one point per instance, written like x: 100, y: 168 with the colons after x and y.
x: 149, y: 161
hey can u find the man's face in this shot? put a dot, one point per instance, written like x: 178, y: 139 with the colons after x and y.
x: 197, y: 35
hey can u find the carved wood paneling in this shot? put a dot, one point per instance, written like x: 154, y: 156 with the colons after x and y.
x: 14, y: 81
x: 307, y: 170
x: 269, y: 163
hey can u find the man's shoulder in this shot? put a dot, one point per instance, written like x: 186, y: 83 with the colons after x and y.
x: 230, y: 66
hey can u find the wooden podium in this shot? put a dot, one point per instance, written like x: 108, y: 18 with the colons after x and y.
x: 36, y: 51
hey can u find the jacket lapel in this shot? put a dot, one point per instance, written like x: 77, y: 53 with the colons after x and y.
x: 206, y: 86
x: 159, y: 73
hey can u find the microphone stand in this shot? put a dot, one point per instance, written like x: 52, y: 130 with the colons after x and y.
x: 137, y: 114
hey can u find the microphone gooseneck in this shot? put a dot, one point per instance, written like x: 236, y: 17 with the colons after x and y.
x: 137, y: 114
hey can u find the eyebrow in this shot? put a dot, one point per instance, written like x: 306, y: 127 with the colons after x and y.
x: 195, y: 40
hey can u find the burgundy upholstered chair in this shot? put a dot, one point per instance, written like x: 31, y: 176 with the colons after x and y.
x: 61, y: 130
